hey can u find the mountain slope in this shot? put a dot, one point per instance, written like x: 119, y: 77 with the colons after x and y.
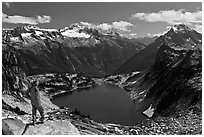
x: 173, y: 83
x: 178, y: 34
x: 74, y: 49
x: 146, y: 40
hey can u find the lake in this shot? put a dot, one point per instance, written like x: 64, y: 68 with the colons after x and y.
x: 105, y: 103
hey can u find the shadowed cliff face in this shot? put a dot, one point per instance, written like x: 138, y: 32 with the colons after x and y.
x: 13, y: 76
x: 174, y: 82
x: 179, y: 81
x: 77, y: 49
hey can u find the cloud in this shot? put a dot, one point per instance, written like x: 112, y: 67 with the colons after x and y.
x: 170, y: 16
x: 104, y: 26
x: 192, y: 19
x: 8, y: 4
x: 133, y: 34
x: 43, y: 19
x: 121, y: 25
x: 16, y: 19
x: 198, y: 27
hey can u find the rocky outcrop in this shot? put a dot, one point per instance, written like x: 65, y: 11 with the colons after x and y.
x: 178, y: 79
x: 60, y: 127
x: 13, y: 76
x: 64, y: 83
x: 12, y: 126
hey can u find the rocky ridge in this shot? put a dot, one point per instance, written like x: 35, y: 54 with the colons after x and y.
x: 181, y: 35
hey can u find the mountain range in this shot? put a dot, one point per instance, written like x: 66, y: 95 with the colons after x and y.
x: 85, y: 50
x: 75, y: 49
x: 163, y: 78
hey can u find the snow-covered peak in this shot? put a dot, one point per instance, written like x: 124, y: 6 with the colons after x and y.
x: 64, y: 29
x: 78, y: 26
x: 75, y: 30
x: 86, y: 30
x: 74, y: 33
x: 181, y: 28
x: 29, y: 27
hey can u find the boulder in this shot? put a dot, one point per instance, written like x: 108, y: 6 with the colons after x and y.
x: 12, y: 126
x: 60, y: 127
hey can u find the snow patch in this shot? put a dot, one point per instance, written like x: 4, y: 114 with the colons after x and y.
x: 15, y: 39
x: 134, y: 73
x: 48, y: 29
x: 188, y: 39
x: 49, y: 75
x: 97, y: 41
x: 29, y: 27
x: 38, y: 33
x: 175, y: 29
x: 142, y: 92
x: 25, y: 34
x: 168, y: 37
x: 149, y: 112
x: 74, y: 33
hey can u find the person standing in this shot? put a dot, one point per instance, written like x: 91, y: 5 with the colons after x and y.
x: 34, y: 95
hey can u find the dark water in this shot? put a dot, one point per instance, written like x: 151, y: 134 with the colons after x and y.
x: 104, y: 103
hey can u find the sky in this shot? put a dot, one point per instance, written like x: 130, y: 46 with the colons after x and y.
x: 131, y: 19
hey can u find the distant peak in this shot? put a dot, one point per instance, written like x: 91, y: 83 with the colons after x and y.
x: 74, y: 26
x: 77, y: 25
x: 181, y: 28
x: 27, y: 27
x: 32, y: 27
x: 86, y: 29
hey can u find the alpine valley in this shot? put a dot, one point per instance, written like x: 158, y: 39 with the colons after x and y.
x: 161, y: 75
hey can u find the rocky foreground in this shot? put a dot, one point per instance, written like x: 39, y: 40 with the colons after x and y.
x: 16, y: 113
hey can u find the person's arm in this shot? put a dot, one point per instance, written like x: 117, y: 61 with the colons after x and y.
x: 27, y: 93
x: 37, y: 90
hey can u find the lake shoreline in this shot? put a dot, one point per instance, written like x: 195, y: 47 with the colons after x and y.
x: 102, y: 104
x: 175, y: 124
